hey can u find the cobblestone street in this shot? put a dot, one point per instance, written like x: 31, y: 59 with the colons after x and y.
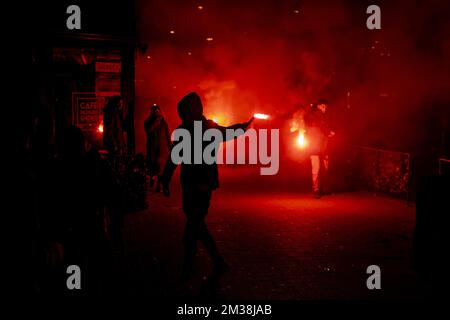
x: 280, y: 245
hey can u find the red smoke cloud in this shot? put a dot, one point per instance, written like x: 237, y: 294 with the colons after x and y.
x: 267, y: 56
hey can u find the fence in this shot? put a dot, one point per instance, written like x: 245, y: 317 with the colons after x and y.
x: 382, y: 170
x: 444, y: 167
x: 130, y: 175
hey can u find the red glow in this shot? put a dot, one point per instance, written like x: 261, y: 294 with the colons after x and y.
x: 216, y: 119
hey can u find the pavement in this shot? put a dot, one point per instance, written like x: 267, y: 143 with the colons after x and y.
x: 279, y: 241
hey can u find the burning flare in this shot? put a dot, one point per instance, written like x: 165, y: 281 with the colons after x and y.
x: 261, y: 116
x: 100, y: 127
x: 301, y: 141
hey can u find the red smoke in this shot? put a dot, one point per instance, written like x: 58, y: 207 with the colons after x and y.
x: 267, y: 56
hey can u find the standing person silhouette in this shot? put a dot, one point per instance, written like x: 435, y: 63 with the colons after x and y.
x: 113, y: 139
x: 197, y: 183
x: 158, y: 144
x: 319, y: 132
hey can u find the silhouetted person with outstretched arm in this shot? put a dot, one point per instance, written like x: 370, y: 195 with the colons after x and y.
x: 197, y: 183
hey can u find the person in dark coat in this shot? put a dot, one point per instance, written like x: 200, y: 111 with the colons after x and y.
x: 158, y: 144
x: 198, y: 181
x: 318, y: 131
x: 129, y: 128
x: 113, y: 139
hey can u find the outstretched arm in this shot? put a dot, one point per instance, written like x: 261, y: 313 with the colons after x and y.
x: 244, y: 126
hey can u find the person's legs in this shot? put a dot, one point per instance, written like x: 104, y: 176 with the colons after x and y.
x: 208, y: 241
x: 323, y: 173
x: 220, y: 266
x: 195, y: 214
x: 201, y: 206
x: 196, y: 205
x: 315, y: 170
x: 190, y: 237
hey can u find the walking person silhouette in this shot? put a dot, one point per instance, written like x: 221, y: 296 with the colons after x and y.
x: 197, y: 183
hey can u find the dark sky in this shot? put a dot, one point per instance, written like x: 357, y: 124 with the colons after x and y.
x: 269, y: 56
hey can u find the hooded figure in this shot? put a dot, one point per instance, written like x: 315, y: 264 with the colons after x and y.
x: 197, y: 183
x: 158, y: 144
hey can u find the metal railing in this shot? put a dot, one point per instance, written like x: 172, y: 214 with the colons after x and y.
x: 383, y: 170
x: 442, y: 161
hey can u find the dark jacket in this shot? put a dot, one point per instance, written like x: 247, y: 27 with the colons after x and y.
x: 113, y: 129
x: 196, y: 176
x: 201, y: 175
x: 317, y: 130
x: 158, y: 143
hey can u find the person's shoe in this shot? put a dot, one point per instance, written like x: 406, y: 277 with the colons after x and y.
x: 184, y: 289
x: 317, y: 195
x: 220, y: 268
